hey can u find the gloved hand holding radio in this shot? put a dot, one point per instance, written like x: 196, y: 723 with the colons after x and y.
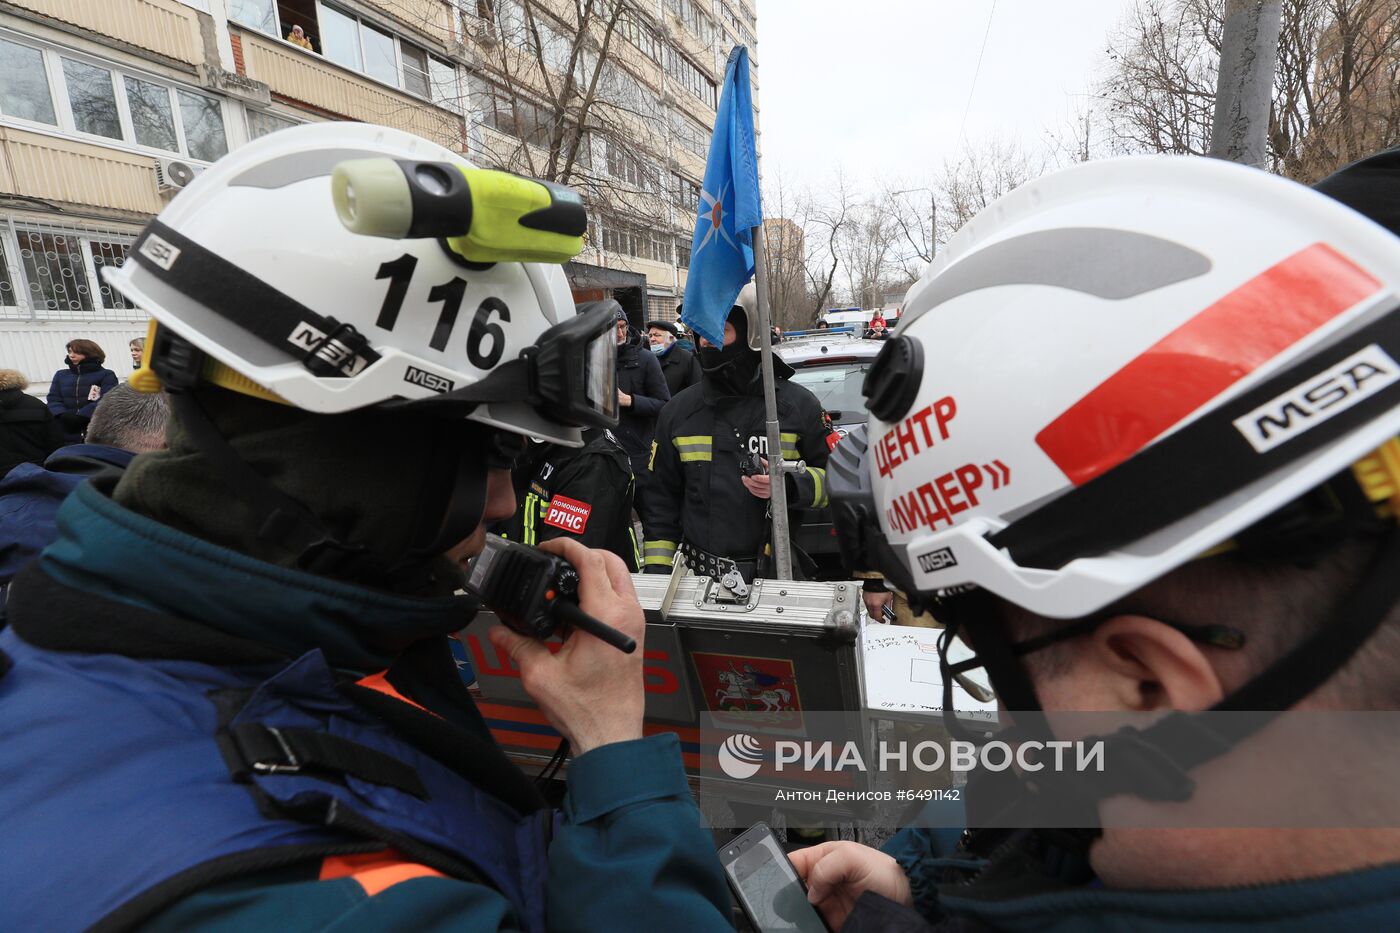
x: 588, y: 690
x: 757, y: 481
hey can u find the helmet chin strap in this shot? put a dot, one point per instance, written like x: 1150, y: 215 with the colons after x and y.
x: 439, y: 529
x: 1155, y: 763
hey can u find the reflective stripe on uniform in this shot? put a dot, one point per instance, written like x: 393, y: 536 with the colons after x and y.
x: 693, y: 447
x: 819, y: 497
x: 659, y: 553
x: 535, y: 508
x: 787, y: 443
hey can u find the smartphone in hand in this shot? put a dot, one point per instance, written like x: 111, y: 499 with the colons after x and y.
x: 766, y: 885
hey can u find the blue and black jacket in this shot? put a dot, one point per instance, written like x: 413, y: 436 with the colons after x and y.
x: 198, y: 740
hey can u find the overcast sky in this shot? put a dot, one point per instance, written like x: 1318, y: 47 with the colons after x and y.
x: 880, y: 86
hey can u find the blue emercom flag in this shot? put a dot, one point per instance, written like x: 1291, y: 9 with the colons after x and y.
x: 721, y: 252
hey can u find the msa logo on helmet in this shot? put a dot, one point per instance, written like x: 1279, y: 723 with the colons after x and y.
x: 940, y: 559
x: 159, y: 251
x: 428, y: 380
x: 330, y: 352
x: 1332, y: 391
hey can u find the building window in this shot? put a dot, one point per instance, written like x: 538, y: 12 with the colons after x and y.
x: 258, y: 14
x: 695, y: 19
x: 355, y: 44
x: 740, y: 27
x: 415, y: 70
x: 152, y: 118
x: 683, y: 256
x: 53, y: 271
x: 690, y: 135
x: 24, y: 89
x: 625, y: 165
x: 260, y: 123
x: 685, y: 193
x: 516, y: 116
x: 688, y: 75
x: 107, y: 103
x: 381, y: 60
x: 446, y: 89
x: 637, y: 32
x: 93, y: 102
x: 106, y: 254
x: 203, y: 119
x: 340, y: 39
x: 661, y: 248
x: 64, y: 272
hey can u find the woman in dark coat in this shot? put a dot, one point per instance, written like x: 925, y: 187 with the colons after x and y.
x: 77, y: 389
x: 28, y: 432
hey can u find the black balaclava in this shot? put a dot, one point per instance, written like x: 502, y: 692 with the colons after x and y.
x: 367, y: 476
x: 729, y: 370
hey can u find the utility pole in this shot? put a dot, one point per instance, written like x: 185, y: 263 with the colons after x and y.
x: 777, y: 502
x: 1244, y: 89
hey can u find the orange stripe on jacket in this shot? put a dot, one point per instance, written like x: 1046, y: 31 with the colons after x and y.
x: 375, y: 871
x: 381, y: 683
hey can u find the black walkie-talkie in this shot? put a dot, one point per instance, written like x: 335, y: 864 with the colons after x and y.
x: 534, y: 593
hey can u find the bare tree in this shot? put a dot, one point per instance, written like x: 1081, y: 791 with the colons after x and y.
x: 826, y: 222
x: 785, y: 252
x: 560, y: 90
x: 865, y: 248
x: 1336, y: 88
x: 963, y: 186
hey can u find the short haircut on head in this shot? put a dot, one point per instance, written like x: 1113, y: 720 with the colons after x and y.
x: 87, y: 348
x: 130, y: 420
x: 1274, y: 602
x: 139, y: 343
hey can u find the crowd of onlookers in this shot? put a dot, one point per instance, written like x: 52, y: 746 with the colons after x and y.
x: 91, y: 423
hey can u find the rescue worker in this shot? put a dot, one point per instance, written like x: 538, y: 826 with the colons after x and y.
x: 584, y: 493
x: 1175, y: 523
x: 679, y: 367
x: 227, y: 697
x: 706, y: 439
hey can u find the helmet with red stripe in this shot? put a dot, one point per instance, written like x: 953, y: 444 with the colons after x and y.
x: 1116, y: 368
x: 1111, y: 372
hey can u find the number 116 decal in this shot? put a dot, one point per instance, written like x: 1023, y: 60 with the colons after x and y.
x: 400, y: 271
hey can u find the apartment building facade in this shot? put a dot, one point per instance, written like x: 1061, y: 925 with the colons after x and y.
x: 109, y: 107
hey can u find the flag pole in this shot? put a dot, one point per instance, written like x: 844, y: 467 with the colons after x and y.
x: 782, y: 553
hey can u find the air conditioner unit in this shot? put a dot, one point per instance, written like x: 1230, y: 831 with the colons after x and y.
x: 173, y: 174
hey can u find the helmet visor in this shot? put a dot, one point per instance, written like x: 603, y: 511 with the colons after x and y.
x: 574, y: 370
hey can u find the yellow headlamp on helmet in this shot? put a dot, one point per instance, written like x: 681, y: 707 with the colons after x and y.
x: 483, y: 215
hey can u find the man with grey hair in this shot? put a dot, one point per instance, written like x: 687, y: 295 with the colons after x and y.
x: 125, y: 423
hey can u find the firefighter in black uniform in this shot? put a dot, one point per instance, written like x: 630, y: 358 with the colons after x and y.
x: 705, y: 433
x: 579, y: 492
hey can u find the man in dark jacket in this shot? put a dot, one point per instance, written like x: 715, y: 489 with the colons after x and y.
x: 28, y: 431
x: 641, y: 393
x: 697, y: 492
x: 678, y: 365
x: 580, y: 492
x: 127, y: 423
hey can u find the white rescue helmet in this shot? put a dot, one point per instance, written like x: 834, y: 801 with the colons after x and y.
x: 258, y: 231
x: 1115, y: 368
x: 747, y: 302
